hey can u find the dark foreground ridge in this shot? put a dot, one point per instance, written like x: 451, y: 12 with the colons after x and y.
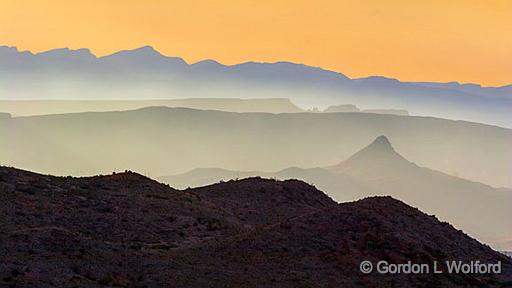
x: 128, y: 230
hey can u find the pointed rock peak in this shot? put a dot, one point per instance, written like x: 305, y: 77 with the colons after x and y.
x: 381, y: 142
x: 380, y: 153
x: 379, y: 147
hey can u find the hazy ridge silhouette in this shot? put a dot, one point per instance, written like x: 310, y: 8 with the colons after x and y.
x: 164, y: 141
x: 44, y: 107
x: 127, y: 230
x: 480, y: 210
x: 144, y: 73
x: 68, y: 112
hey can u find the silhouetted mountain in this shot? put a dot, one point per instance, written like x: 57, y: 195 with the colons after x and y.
x: 379, y: 170
x: 127, y: 230
x: 260, y: 202
x: 325, y: 179
x: 165, y: 141
x: 384, y: 172
x: 43, y: 107
x: 379, y: 155
x: 144, y: 73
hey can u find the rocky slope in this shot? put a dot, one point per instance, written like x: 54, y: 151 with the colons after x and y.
x: 325, y: 248
x: 128, y: 230
x: 378, y: 169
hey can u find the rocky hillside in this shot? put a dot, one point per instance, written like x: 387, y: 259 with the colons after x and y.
x: 128, y: 230
x: 379, y: 170
x: 325, y: 248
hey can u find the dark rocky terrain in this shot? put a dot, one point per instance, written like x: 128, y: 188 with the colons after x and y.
x: 130, y: 231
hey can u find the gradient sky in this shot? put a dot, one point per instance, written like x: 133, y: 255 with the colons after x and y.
x: 465, y: 41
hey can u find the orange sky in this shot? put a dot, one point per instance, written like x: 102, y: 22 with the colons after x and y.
x: 465, y: 41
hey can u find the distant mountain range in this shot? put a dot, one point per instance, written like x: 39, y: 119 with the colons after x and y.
x: 144, y: 73
x: 126, y: 230
x: 263, y: 105
x: 378, y: 169
x: 43, y: 107
x: 164, y: 141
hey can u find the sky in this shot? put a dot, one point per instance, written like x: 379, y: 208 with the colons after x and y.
x: 466, y: 41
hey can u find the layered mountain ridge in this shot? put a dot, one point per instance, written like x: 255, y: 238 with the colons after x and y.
x: 144, y: 73
x: 175, y: 140
x: 377, y: 169
x: 127, y: 230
